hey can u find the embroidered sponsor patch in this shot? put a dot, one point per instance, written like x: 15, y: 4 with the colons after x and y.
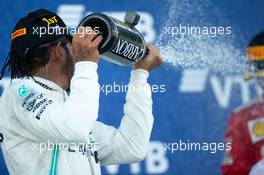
x: 256, y: 53
x: 36, y: 102
x: 19, y: 32
x: 23, y: 91
x: 256, y: 129
x: 51, y: 20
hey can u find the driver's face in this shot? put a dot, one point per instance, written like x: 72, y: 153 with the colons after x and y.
x: 68, y: 64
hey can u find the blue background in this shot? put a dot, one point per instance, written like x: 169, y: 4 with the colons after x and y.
x: 193, y: 116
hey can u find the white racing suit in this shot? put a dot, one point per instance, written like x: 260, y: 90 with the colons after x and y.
x: 258, y: 169
x: 44, y: 131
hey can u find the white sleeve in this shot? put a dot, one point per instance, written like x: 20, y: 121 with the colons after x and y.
x: 63, y: 121
x: 258, y: 169
x: 128, y: 143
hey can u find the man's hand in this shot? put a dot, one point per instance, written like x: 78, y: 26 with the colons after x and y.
x: 152, y: 60
x: 85, y: 46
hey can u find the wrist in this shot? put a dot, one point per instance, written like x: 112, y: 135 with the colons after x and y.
x: 136, y: 67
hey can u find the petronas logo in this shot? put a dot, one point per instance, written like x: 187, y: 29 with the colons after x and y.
x: 23, y: 91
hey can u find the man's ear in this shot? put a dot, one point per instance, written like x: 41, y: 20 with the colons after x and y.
x: 57, y: 52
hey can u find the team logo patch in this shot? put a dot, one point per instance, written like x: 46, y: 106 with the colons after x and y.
x: 19, y: 32
x: 23, y: 91
x: 256, y: 129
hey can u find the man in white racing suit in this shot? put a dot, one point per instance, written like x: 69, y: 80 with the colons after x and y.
x: 45, y: 131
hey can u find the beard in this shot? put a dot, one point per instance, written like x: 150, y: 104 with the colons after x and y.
x: 68, y: 68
